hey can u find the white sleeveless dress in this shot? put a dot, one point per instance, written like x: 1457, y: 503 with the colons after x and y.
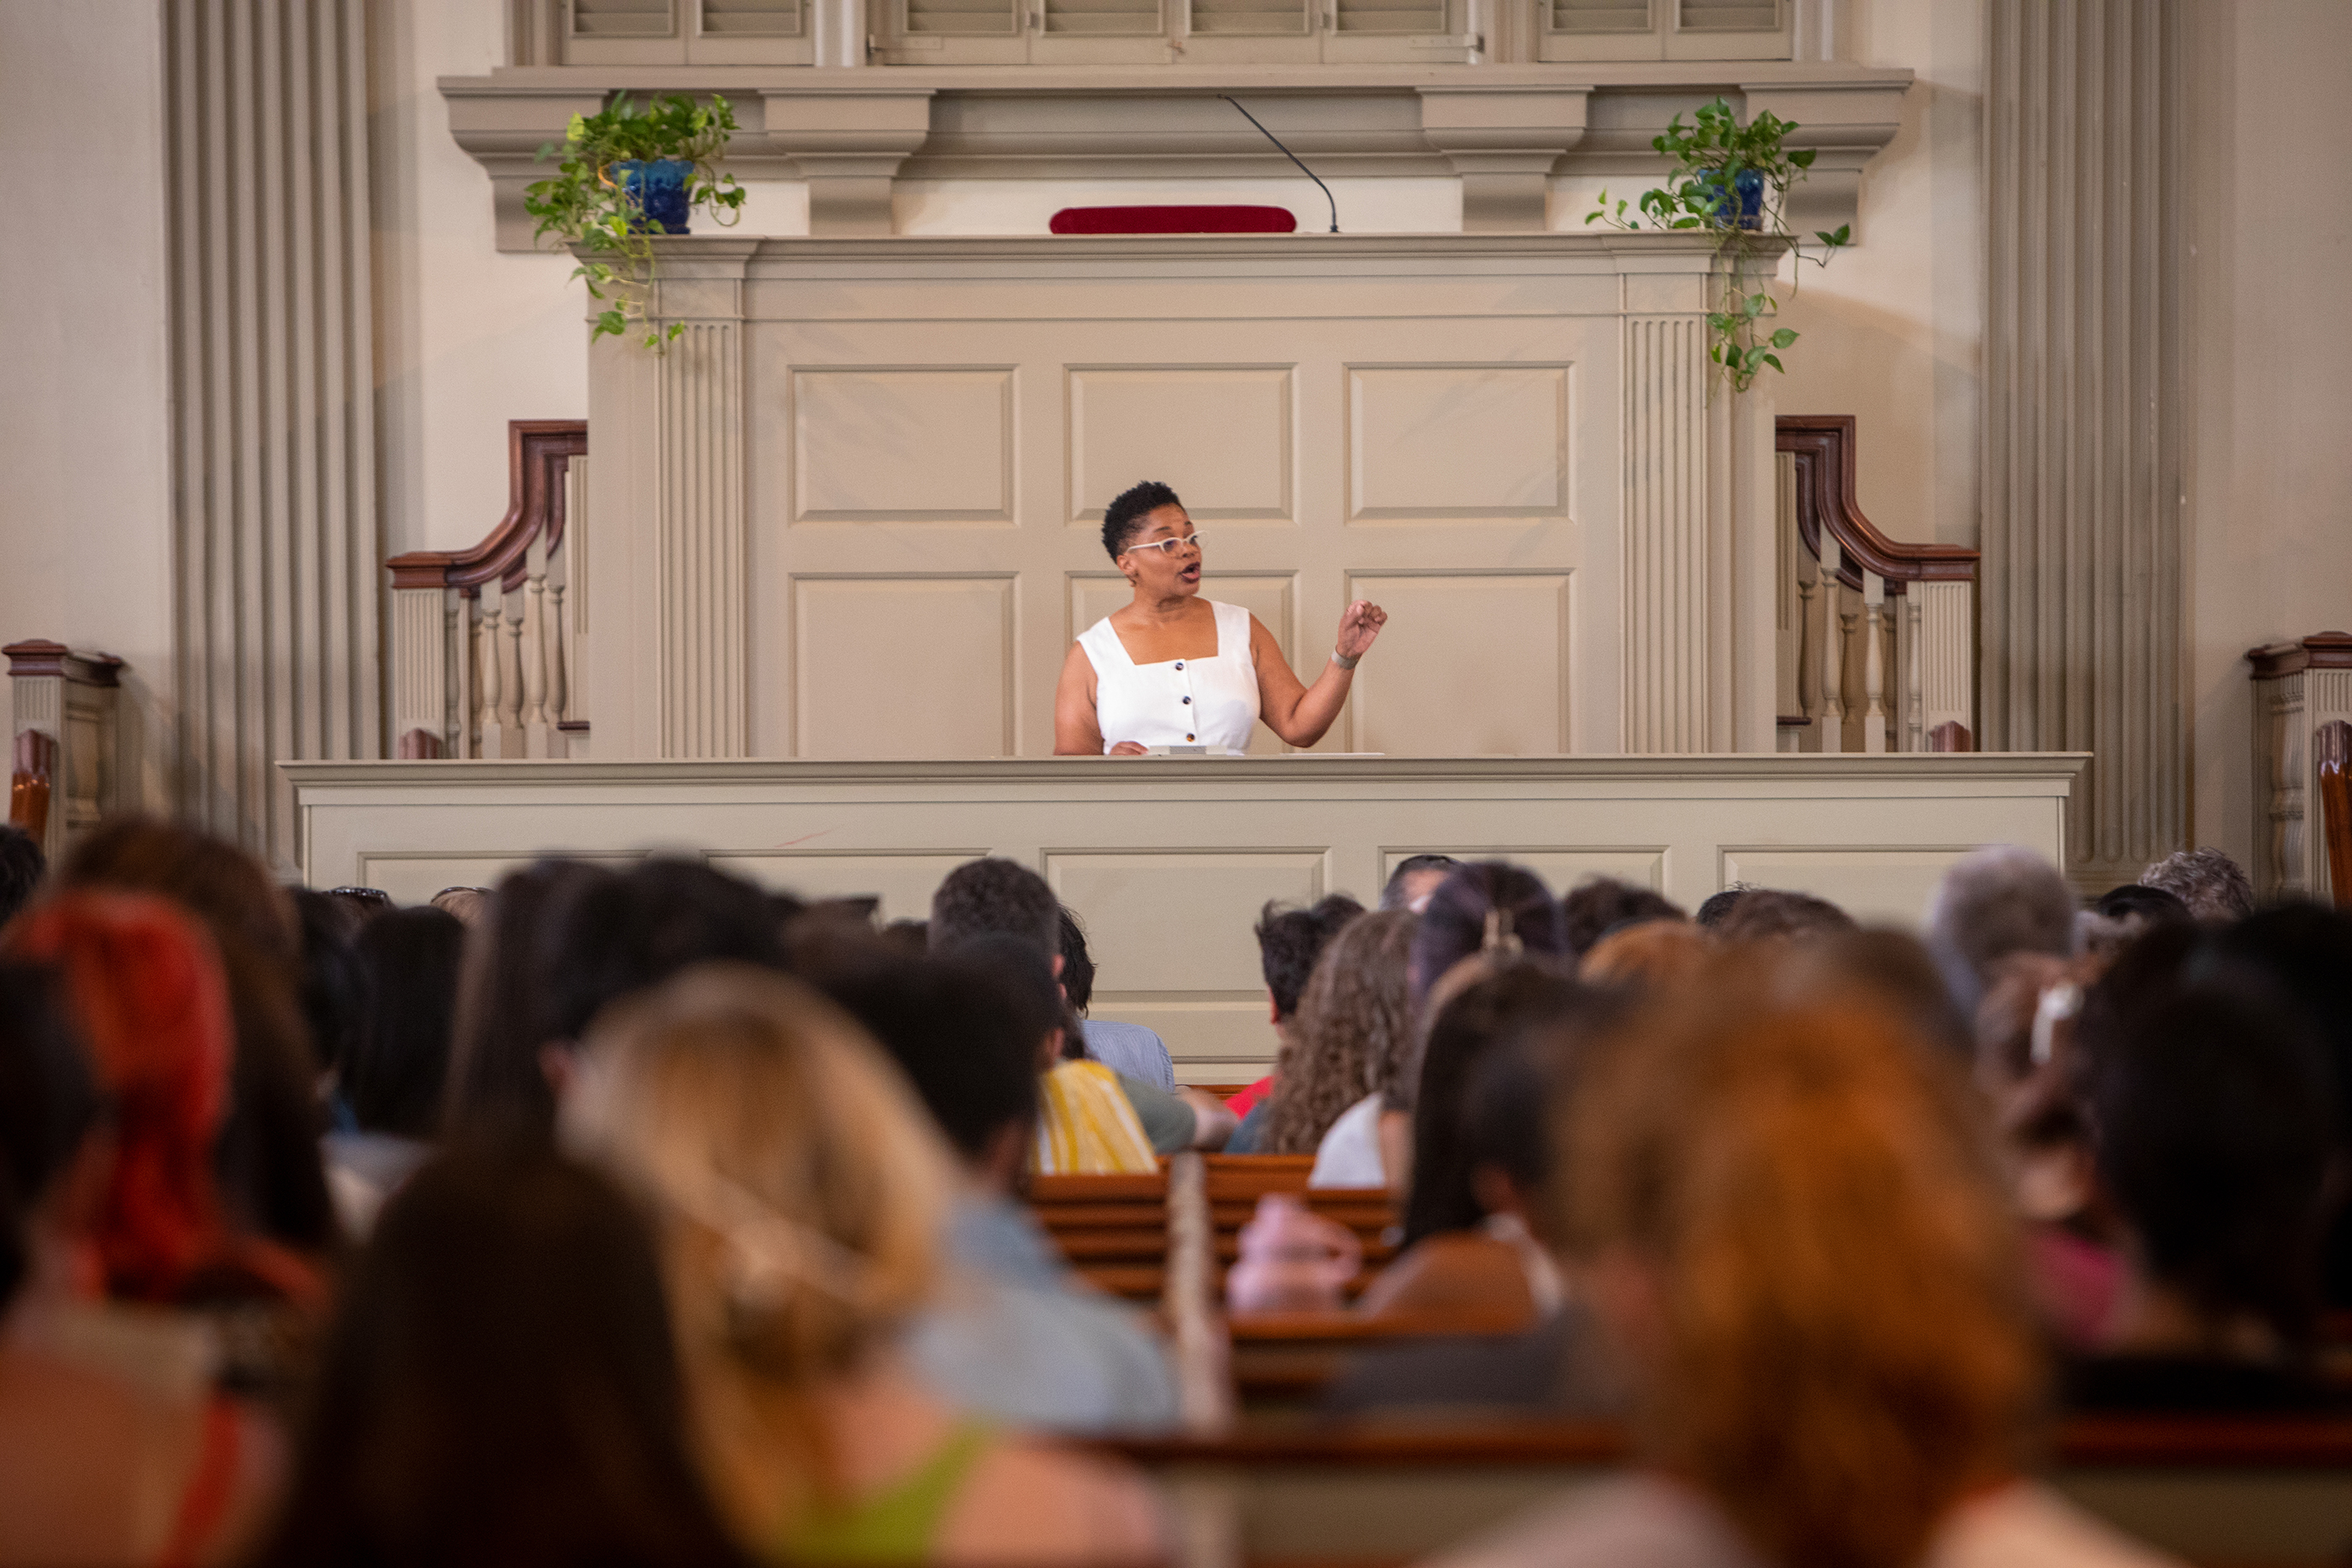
x: 1177, y: 702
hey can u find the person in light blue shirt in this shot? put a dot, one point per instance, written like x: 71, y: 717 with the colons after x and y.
x: 1126, y: 1047
x: 1014, y: 1334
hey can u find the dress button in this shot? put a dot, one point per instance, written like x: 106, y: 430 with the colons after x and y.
x: 1188, y: 702
x: 1187, y: 735
x: 1179, y: 664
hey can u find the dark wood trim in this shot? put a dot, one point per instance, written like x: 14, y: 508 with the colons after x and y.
x: 1951, y: 736
x: 32, y: 780
x: 539, y: 452
x: 419, y: 745
x: 2320, y: 650
x: 572, y: 726
x: 2331, y: 749
x: 39, y: 656
x: 1823, y: 446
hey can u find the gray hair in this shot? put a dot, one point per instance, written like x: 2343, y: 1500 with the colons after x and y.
x: 1993, y: 901
x: 2208, y: 881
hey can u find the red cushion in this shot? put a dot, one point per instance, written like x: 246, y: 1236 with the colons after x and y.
x: 1174, y: 220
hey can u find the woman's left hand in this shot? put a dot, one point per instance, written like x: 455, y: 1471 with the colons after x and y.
x: 1358, y: 626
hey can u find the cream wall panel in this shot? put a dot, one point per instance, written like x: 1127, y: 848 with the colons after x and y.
x: 904, y: 881
x: 931, y: 445
x: 1220, y: 435
x: 1882, y: 883
x: 938, y: 650
x: 1469, y: 665
x: 1561, y: 869
x: 1435, y: 442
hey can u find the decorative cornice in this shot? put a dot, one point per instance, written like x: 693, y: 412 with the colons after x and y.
x: 2320, y: 650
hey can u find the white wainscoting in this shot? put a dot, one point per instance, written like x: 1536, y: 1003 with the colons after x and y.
x: 1168, y: 861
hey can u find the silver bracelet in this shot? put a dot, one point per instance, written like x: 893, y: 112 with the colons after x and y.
x: 1344, y: 661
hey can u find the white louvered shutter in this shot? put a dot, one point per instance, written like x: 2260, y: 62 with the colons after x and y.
x: 1729, y: 30
x: 750, y: 32
x: 622, y: 32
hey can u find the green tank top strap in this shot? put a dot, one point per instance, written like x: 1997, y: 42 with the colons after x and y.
x: 899, y: 1524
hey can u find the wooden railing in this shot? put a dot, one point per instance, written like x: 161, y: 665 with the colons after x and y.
x: 485, y: 642
x: 65, y: 742
x: 2302, y: 816
x: 1878, y: 646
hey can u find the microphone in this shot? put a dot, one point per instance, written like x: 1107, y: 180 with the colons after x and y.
x: 1286, y: 153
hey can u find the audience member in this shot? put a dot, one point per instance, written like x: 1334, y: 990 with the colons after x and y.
x: 2214, y: 1121
x: 2213, y: 886
x: 1785, y: 1218
x: 498, y: 1084
x: 1414, y: 879
x: 801, y: 1192
x: 361, y: 904
x: 1649, y: 955
x: 1491, y: 907
x: 396, y: 1074
x: 1772, y: 915
x: 471, y: 905
x: 1715, y: 906
x: 1288, y: 943
x: 331, y: 990
x: 1890, y: 969
x: 1993, y: 901
x: 2150, y: 906
x: 1014, y: 1335
x: 1126, y: 1047
x: 1354, y: 1037
x: 21, y: 866
x: 501, y: 1387
x: 268, y: 1153
x: 1602, y: 904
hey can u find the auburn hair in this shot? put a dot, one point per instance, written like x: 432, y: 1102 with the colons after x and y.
x: 1842, y: 1344
x: 1354, y: 1035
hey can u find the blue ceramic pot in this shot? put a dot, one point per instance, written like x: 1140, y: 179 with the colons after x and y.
x: 1744, y: 208
x: 657, y: 189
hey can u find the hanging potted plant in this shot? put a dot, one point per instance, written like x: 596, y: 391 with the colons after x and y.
x: 1732, y: 180
x: 629, y: 172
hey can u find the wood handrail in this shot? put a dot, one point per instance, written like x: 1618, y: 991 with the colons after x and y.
x: 538, y: 451
x: 1823, y: 446
x: 2322, y: 651
x: 2331, y: 748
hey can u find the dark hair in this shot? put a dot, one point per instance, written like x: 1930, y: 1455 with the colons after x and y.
x: 502, y: 1002
x: 267, y: 1157
x: 994, y: 894
x: 21, y: 866
x: 1290, y: 940
x: 1765, y: 912
x: 1717, y: 907
x: 1077, y: 965
x: 399, y: 1063
x: 611, y: 938
x: 1526, y: 996
x: 1393, y: 891
x: 1507, y: 1109
x: 500, y: 1386
x: 1603, y: 904
x: 1123, y: 518
x: 957, y: 1031
x: 49, y: 1100
x: 2153, y: 905
x: 2210, y: 1099
x: 1454, y: 926
x: 332, y: 989
x: 1024, y: 977
x: 361, y: 904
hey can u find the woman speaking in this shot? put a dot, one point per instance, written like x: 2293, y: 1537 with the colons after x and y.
x: 1174, y: 669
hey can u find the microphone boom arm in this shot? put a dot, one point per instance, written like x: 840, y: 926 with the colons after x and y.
x: 1286, y: 153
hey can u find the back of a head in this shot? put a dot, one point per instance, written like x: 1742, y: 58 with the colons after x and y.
x: 1024, y: 979
x: 801, y: 1178
x: 1520, y: 998
x: 1647, y: 955
x: 1602, y: 904
x: 1077, y: 975
x: 1891, y: 969
x: 500, y: 1386
x: 333, y: 986
x: 1354, y: 1036
x: 1491, y: 903
x: 21, y: 866
x: 968, y: 1046
x: 471, y: 905
x: 660, y: 916
x: 1993, y: 901
x: 2150, y: 906
x: 1842, y: 1347
x: 994, y: 896
x: 1770, y: 915
x: 2213, y: 1109
x: 48, y: 1103
x: 2214, y: 887
x: 1290, y: 940
x: 505, y: 1003
x: 1415, y: 877
x: 1715, y: 907
x: 399, y: 1065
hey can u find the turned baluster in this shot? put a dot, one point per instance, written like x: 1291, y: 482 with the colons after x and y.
x: 1874, y: 662
x: 1831, y: 721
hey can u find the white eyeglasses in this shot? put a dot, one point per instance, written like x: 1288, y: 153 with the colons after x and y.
x: 1170, y: 545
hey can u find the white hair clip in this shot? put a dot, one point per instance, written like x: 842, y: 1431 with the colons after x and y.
x: 2059, y: 1004
x: 1500, y: 939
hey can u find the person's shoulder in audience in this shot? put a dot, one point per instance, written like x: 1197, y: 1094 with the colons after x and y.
x: 1168, y: 1120
x: 1350, y: 1154
x: 1253, y: 1127
x: 1131, y: 1049
x: 1561, y: 1367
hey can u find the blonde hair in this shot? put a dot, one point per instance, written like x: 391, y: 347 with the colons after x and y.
x: 1843, y: 1346
x: 1354, y: 1035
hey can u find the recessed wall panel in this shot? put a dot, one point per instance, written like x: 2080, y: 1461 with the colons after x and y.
x: 1174, y: 921
x: 913, y: 446
x: 1869, y: 882
x: 904, y: 882
x: 1219, y: 435
x: 1561, y: 869
x: 1429, y: 443
x: 902, y: 666
x: 1474, y: 665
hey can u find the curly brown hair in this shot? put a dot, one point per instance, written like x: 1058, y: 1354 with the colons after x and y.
x: 1354, y: 1031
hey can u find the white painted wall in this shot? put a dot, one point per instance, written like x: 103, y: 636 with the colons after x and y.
x: 85, y: 408
x: 2270, y: 470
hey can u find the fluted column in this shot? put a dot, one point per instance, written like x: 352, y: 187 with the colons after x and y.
x: 274, y: 522
x: 1666, y: 547
x: 2082, y: 448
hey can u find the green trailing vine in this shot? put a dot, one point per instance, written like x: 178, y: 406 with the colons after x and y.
x: 588, y: 205
x: 1732, y: 180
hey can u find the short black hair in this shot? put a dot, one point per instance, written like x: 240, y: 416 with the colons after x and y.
x: 398, y: 1065
x: 1123, y: 518
x: 613, y: 936
x: 1413, y: 865
x: 1025, y: 972
x: 21, y: 866
x: 1717, y: 907
x: 1290, y: 940
x: 960, y: 1034
x: 2155, y: 904
x: 48, y: 1101
x: 332, y: 991
x: 1603, y: 904
x: 1077, y: 964
x: 994, y: 895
